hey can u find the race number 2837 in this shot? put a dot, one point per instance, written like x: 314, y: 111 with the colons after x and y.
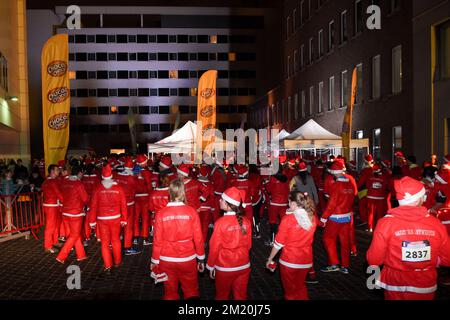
x: 418, y: 251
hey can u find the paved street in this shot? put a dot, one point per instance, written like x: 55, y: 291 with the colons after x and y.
x: 26, y: 272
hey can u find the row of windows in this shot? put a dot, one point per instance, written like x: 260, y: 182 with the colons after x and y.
x: 304, y: 12
x: 162, y: 56
x: 160, y: 74
x: 123, y: 110
x: 160, y: 38
x: 123, y: 128
x: 160, y: 92
x: 326, y: 96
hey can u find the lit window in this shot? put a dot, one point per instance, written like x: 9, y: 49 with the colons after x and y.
x: 231, y: 56
x: 72, y: 75
x: 113, y: 110
x: 194, y: 92
x: 173, y: 74
x: 213, y: 39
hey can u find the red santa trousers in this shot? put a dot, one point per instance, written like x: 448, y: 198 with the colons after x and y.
x: 184, y: 273
x: 205, y: 220
x: 110, y: 234
x: 353, y: 247
x: 141, y: 212
x: 234, y: 283
x: 333, y: 231
x: 248, y: 212
x: 52, y: 222
x: 362, y: 204
x: 74, y: 240
x: 293, y: 281
x: 128, y: 230
x: 376, y: 209
x: 395, y: 295
x: 276, y: 213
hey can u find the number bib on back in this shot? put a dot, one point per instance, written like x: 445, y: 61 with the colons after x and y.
x: 418, y: 251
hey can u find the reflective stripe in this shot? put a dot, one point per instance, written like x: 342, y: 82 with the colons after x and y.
x: 172, y: 259
x: 340, y: 216
x: 446, y: 222
x: 130, y: 203
x: 405, y: 288
x: 279, y: 204
x: 142, y: 195
x: 109, y: 217
x: 201, y: 257
x: 218, y: 193
x: 323, y: 220
x: 154, y: 261
x: 50, y: 205
x: 202, y: 198
x: 74, y: 215
x: 247, y: 204
x: 233, y: 269
x: 278, y: 245
x: 204, y: 207
x: 375, y: 198
x: 296, y: 266
x: 260, y: 198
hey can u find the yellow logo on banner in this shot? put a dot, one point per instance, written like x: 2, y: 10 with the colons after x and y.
x: 55, y: 98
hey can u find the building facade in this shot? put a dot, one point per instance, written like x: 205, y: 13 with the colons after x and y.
x: 323, y: 42
x: 14, y: 118
x: 150, y: 59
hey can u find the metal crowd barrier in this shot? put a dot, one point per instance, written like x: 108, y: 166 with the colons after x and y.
x: 20, y: 215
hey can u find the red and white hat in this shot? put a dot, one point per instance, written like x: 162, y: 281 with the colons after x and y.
x: 129, y: 164
x: 107, y: 172
x: 183, y: 169
x: 302, y: 167
x: 442, y: 176
x: 141, y: 160
x: 386, y: 163
x: 166, y: 162
x: 282, y: 159
x: 376, y: 168
x: 234, y: 196
x: 61, y: 163
x: 399, y: 154
x: 337, y: 167
x: 369, y: 158
x: 241, y: 170
x: 291, y: 162
x: 203, y: 173
x: 408, y: 190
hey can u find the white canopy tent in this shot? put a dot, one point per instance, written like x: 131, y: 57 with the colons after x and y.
x: 184, y: 140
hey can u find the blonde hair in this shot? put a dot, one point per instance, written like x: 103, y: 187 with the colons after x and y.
x: 176, y: 191
x: 304, y: 201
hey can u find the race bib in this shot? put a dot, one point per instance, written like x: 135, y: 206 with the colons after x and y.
x: 377, y: 185
x: 418, y: 251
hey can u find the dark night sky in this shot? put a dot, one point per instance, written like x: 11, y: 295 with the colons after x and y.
x: 48, y: 4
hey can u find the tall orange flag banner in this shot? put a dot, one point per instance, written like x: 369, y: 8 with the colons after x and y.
x: 55, y: 98
x: 206, y: 108
x: 348, y: 118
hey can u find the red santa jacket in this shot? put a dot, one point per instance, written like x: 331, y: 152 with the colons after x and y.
x: 444, y: 216
x: 377, y: 187
x: 278, y: 192
x: 366, y: 173
x: 229, y: 248
x: 430, y: 192
x: 328, y: 183
x: 108, y: 202
x: 290, y: 173
x: 51, y: 193
x: 177, y: 234
x: 218, y: 180
x: 75, y: 197
x: 295, y: 241
x: 246, y: 185
x: 158, y: 199
x: 90, y: 183
x: 342, y: 195
x: 129, y: 185
x: 409, y: 243
x: 143, y: 188
x: 257, y: 182
x: 192, y: 190
x: 147, y: 175
x: 207, y: 195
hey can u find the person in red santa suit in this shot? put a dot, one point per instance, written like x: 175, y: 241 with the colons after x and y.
x: 90, y: 181
x: 219, y: 182
x: 206, y: 200
x: 178, y: 243
x: 290, y: 171
x: 428, y: 181
x: 278, y: 191
x: 295, y: 237
x: 257, y: 198
x: 243, y: 183
x: 409, y: 243
x: 317, y: 172
x: 75, y: 199
x: 377, y: 192
x: 229, y: 248
x: 337, y: 219
x: 191, y: 186
x: 52, y: 197
x: 143, y: 188
x: 158, y: 199
x: 166, y: 168
x: 362, y: 188
x: 413, y: 170
x: 64, y: 173
x: 128, y: 182
x: 108, y: 208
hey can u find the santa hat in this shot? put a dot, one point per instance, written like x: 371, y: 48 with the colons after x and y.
x: 298, y: 159
x: 61, y: 163
x: 166, y: 162
x: 234, y: 196
x: 291, y: 162
x: 337, y: 167
x: 121, y: 160
x: 302, y: 167
x: 183, y: 169
x: 368, y: 158
x: 399, y: 154
x: 158, y: 275
x: 141, y: 160
x: 427, y: 164
x: 129, y: 164
x: 282, y: 159
x: 376, y: 168
x: 107, y: 172
x: 442, y: 176
x: 408, y: 190
x: 241, y: 170
x: 203, y: 173
x: 386, y: 163
x: 447, y: 158
x: 352, y: 165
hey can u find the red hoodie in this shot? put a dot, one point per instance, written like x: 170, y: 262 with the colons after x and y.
x: 410, y: 243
